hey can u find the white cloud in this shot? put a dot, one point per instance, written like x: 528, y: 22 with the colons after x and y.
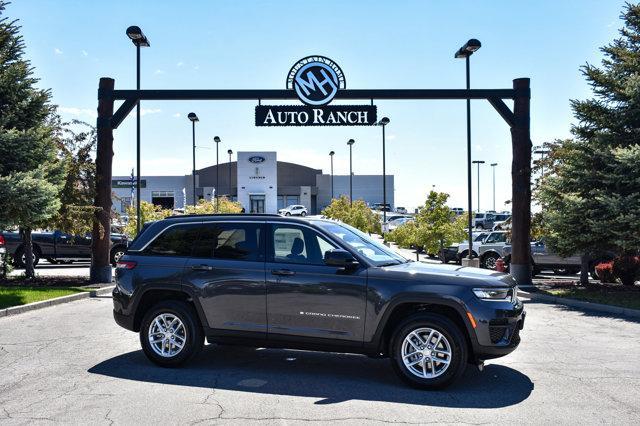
x: 145, y: 111
x: 391, y: 137
x: 158, y: 72
x: 478, y: 148
x: 179, y: 64
x: 78, y: 112
x: 85, y: 53
x: 58, y: 51
x: 176, y: 115
x: 197, y: 67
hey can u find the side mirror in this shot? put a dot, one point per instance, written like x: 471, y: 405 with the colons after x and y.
x: 340, y: 258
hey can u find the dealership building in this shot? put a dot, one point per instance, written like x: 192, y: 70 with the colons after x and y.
x: 257, y: 180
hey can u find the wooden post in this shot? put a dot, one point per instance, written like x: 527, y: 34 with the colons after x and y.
x: 521, y: 185
x: 101, y: 235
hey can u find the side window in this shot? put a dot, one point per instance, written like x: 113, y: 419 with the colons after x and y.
x: 231, y: 241
x: 292, y: 244
x: 174, y: 241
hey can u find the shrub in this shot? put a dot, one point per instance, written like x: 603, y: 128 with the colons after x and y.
x: 627, y: 268
x: 224, y: 205
x: 604, y: 271
x: 356, y: 214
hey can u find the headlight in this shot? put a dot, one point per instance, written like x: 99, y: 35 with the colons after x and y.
x: 497, y: 294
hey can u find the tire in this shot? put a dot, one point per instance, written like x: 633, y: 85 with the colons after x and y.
x: 287, y: 214
x: 445, y: 374
x: 19, y: 260
x: 116, y: 254
x: 489, y: 261
x: 480, y: 226
x: 190, y: 333
x: 303, y: 214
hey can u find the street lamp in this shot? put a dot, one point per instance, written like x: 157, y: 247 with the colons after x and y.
x: 229, y: 167
x: 139, y: 40
x: 383, y: 123
x: 193, y: 118
x: 465, y: 52
x: 350, y: 143
x: 331, y: 154
x: 478, y: 162
x: 493, y: 168
x: 217, y: 140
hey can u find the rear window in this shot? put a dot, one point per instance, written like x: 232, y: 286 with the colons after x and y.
x: 174, y: 241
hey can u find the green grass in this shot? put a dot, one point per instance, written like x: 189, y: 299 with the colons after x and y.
x: 619, y: 297
x: 17, y: 295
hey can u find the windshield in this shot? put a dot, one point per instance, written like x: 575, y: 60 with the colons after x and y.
x: 378, y: 254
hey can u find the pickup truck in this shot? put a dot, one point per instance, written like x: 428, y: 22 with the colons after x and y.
x: 58, y: 247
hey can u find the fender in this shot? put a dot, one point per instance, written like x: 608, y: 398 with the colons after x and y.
x: 450, y: 301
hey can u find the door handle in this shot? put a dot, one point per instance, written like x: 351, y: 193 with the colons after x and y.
x: 202, y: 268
x: 284, y: 272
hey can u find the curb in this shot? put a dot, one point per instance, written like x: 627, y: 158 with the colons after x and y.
x: 15, y: 310
x: 617, y: 310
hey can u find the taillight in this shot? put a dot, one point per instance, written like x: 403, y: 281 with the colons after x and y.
x: 1, y: 240
x: 126, y: 264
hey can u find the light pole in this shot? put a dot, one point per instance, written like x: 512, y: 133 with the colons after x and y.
x: 331, y: 154
x: 229, y: 167
x: 383, y: 123
x: 478, y: 162
x: 193, y: 118
x: 465, y: 52
x: 139, y: 40
x: 350, y: 143
x: 493, y: 168
x: 216, y: 139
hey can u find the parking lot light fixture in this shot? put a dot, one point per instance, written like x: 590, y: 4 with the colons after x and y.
x: 478, y: 162
x: 493, y: 168
x: 465, y: 52
x: 139, y: 40
x: 193, y: 118
x: 350, y: 142
x: 217, y: 140
x: 229, y: 151
x: 331, y: 154
x: 542, y: 153
x: 383, y: 123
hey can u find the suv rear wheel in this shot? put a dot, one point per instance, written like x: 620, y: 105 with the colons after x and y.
x: 489, y: 261
x: 428, y: 351
x: 170, y: 333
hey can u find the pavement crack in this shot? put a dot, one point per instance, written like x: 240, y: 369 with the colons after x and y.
x: 108, y: 419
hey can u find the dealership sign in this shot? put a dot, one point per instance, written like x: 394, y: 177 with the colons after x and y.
x: 316, y: 81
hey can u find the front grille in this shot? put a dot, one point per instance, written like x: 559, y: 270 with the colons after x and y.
x: 497, y: 333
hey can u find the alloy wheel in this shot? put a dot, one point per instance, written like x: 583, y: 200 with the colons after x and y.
x: 167, y: 335
x: 426, y: 353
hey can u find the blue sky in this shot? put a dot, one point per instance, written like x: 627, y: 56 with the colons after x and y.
x: 253, y: 44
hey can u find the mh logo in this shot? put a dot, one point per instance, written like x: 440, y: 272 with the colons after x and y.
x: 316, y: 80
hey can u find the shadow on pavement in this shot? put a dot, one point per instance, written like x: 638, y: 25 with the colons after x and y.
x: 332, y: 377
x: 586, y: 311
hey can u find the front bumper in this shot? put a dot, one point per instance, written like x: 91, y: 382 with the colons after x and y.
x: 498, y: 327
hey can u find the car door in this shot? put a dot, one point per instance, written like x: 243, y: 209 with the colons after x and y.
x: 226, y: 271
x: 305, y: 297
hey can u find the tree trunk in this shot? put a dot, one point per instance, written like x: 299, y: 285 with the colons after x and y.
x: 584, y: 269
x: 29, y: 270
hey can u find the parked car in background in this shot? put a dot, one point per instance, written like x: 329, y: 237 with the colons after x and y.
x: 484, y: 220
x: 456, y: 252
x: 543, y: 258
x: 381, y: 207
x: 491, y: 249
x: 401, y: 210
x: 58, y: 247
x: 459, y: 211
x: 398, y: 221
x: 294, y: 210
x: 503, y: 225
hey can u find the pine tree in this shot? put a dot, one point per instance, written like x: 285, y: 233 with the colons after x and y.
x: 31, y: 175
x: 590, y: 193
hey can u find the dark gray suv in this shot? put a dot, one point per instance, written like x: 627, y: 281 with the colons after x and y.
x: 271, y: 281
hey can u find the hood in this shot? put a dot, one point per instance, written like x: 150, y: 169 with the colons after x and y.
x: 444, y: 274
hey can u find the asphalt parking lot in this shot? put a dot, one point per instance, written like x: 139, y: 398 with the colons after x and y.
x: 72, y: 364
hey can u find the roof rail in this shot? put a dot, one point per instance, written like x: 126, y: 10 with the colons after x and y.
x: 224, y: 215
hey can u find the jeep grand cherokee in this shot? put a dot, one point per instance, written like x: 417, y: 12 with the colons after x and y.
x: 272, y: 281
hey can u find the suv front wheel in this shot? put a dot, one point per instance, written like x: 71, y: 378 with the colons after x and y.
x: 428, y: 351
x: 170, y: 333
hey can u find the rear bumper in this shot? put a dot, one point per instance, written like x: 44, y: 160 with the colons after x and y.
x: 124, y: 321
x: 122, y: 312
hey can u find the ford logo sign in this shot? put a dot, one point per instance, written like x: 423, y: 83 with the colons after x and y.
x: 257, y: 159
